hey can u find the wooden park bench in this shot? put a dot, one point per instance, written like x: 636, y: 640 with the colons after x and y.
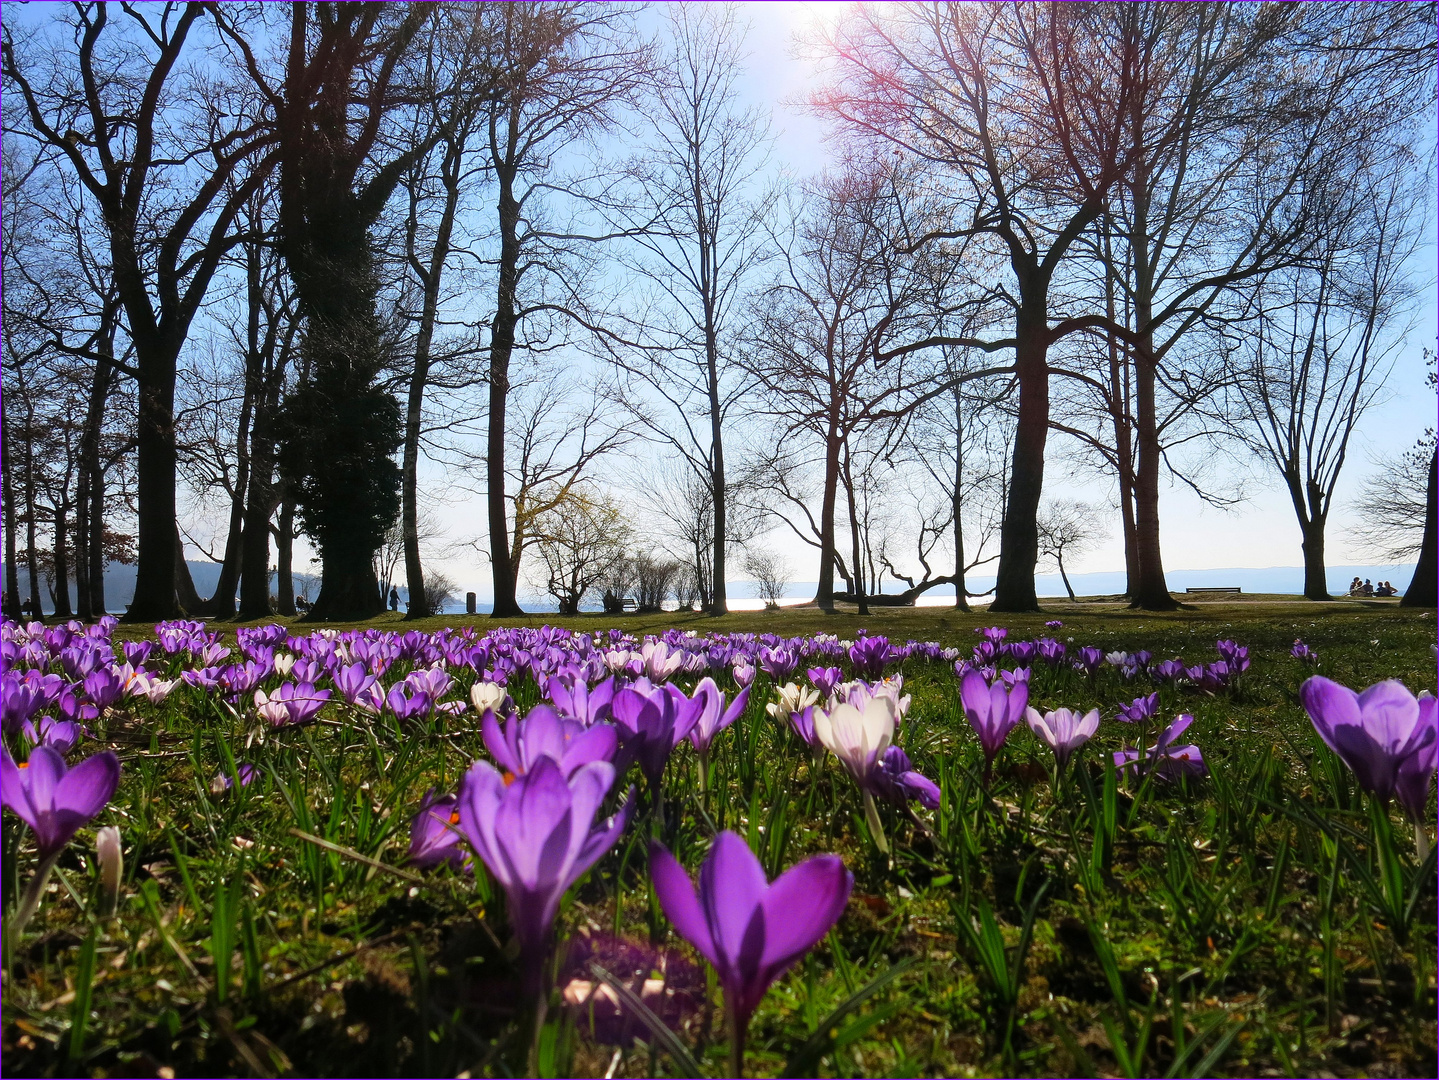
x: 1232, y: 590
x: 629, y: 604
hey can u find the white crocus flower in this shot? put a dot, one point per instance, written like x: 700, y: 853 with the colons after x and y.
x: 487, y: 696
x: 792, y: 699
x: 283, y: 663
x: 859, y: 738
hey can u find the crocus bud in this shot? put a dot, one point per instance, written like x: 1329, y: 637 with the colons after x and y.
x: 112, y: 865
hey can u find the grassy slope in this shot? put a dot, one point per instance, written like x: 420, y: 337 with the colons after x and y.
x: 1217, y: 932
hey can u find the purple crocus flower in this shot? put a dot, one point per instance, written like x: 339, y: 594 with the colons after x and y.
x: 713, y: 717
x: 60, y: 735
x: 652, y: 721
x: 1167, y: 758
x: 870, y: 656
x: 897, y: 781
x: 825, y: 679
x: 778, y: 663
x: 352, y: 680
x: 1088, y: 659
x: 409, y: 706
x: 1139, y: 710
x: 1416, y: 772
x: 575, y: 698
x: 104, y: 687
x: 1054, y: 624
x: 19, y: 700
x: 546, y: 734
x: 435, y: 835
x: 743, y: 671
x: 210, y: 678
x: 992, y: 712
x: 1063, y: 730
x: 1167, y: 670
x: 992, y: 634
x: 751, y: 931
x: 536, y: 835
x: 1050, y: 651
x: 291, y: 703
x: 137, y: 652
x: 224, y: 782
x: 53, y: 800
x: 1236, y: 656
x: 1303, y: 652
x: 1376, y: 732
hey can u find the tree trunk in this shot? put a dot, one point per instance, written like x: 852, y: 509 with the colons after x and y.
x: 719, y: 604
x: 502, y: 345
x: 82, y: 539
x: 1421, y: 591
x: 961, y: 590
x: 1316, y: 585
x: 156, y: 536
x: 32, y: 562
x: 222, y: 603
x: 187, y: 599
x: 419, y: 379
x: 259, y: 505
x: 1064, y: 578
x: 1019, y: 533
x: 1151, y: 592
x: 284, y: 560
x: 12, y: 522
x: 98, y: 561
x: 861, y: 588
x: 60, y: 592
x: 824, y: 595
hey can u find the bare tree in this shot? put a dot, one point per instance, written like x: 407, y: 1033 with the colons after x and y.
x: 582, y: 538
x: 1022, y: 112
x: 561, y: 71
x: 116, y: 105
x: 1068, y: 527
x: 1321, y: 341
x: 771, y: 574
x: 695, y: 215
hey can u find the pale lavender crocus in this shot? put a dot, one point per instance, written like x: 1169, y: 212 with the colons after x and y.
x: 751, y: 930
x: 1063, y: 730
x: 1379, y: 733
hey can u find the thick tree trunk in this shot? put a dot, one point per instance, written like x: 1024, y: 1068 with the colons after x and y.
x: 285, y: 560
x: 1151, y: 592
x: 82, y: 539
x: 347, y: 585
x: 1421, y: 591
x: 98, y: 561
x: 156, y: 537
x: 502, y: 344
x: 824, y: 595
x: 1316, y: 584
x: 1019, y: 533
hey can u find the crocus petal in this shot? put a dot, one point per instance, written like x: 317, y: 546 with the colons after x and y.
x: 800, y: 907
x: 732, y: 885
x: 1329, y: 705
x: 87, y: 787
x: 1390, y: 713
x: 676, y: 894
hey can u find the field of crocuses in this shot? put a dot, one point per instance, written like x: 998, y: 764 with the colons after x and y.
x: 1046, y: 848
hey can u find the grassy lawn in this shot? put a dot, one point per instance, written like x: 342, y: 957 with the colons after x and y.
x: 1260, y: 921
